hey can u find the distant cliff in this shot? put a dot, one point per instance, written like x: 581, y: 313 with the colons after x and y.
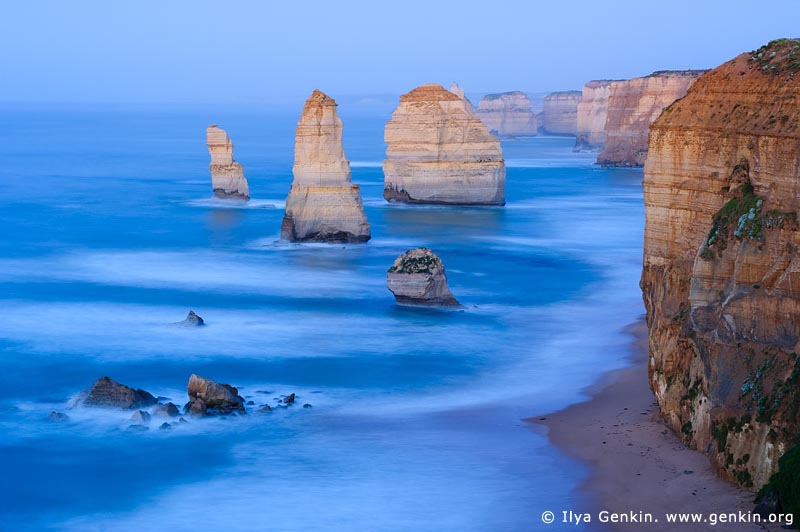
x: 632, y: 106
x: 508, y: 114
x: 560, y: 113
x: 592, y: 113
x: 721, y: 277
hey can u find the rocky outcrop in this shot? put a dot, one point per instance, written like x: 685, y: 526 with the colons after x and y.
x: 592, y: 113
x: 417, y: 277
x: 227, y: 176
x: 508, y: 114
x: 207, y: 397
x: 192, y: 320
x: 323, y: 204
x: 440, y: 152
x: 560, y: 113
x: 109, y: 393
x: 721, y: 277
x: 632, y: 106
x: 166, y: 410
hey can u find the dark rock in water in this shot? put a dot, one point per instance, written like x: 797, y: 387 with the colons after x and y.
x: 58, y: 416
x: 207, y: 397
x: 182, y: 420
x: 250, y: 403
x: 165, y: 426
x: 192, y: 320
x: 307, y: 405
x: 141, y: 417
x: 417, y: 277
x: 289, y: 399
x: 166, y: 410
x: 265, y: 408
x: 769, y: 503
x: 106, y: 392
x: 137, y: 428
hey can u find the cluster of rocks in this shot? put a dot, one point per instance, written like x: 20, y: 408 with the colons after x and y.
x: 206, y: 398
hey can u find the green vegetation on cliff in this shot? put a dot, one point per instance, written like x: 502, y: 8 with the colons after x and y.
x: 781, y: 56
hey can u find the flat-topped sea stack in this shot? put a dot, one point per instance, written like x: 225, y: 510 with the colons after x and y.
x: 323, y: 204
x: 439, y: 152
x: 632, y: 106
x: 592, y: 114
x: 721, y: 278
x: 560, y: 113
x: 508, y: 114
x: 227, y: 176
x: 417, y: 277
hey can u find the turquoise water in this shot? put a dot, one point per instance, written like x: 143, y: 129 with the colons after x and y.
x: 110, y: 235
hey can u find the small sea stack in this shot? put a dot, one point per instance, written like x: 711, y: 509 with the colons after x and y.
x: 207, y: 397
x: 227, y: 176
x: 508, y: 114
x: 439, y: 152
x: 323, y: 204
x: 417, y: 277
x: 106, y: 392
x: 560, y: 113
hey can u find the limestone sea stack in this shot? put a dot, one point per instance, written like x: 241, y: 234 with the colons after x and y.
x: 227, y: 176
x: 721, y: 277
x: 560, y: 113
x: 508, y: 114
x: 417, y: 277
x: 440, y: 152
x: 632, y: 106
x: 323, y: 204
x: 592, y: 114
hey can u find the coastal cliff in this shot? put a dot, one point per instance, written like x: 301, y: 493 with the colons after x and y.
x: 721, y: 277
x: 227, y: 176
x: 592, y: 114
x: 508, y: 114
x: 323, y: 204
x: 438, y: 151
x: 560, y: 113
x: 633, y: 105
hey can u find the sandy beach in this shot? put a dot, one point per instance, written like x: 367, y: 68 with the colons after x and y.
x: 637, y: 463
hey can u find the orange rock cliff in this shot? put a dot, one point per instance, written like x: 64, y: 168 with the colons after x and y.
x: 721, y: 276
x: 632, y: 106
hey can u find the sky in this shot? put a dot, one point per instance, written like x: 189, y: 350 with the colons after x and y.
x: 247, y: 51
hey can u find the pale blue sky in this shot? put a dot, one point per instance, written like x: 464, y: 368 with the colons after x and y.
x: 260, y: 51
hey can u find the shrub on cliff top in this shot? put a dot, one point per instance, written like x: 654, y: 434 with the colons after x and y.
x: 778, y: 57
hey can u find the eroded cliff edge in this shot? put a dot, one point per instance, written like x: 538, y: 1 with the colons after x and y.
x: 721, y: 277
x: 633, y: 105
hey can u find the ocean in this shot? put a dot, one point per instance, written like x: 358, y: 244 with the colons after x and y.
x: 110, y: 236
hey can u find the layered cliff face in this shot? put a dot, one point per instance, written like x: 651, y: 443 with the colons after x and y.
x: 439, y: 152
x: 227, y: 176
x: 592, y: 113
x: 721, y: 278
x: 323, y: 204
x: 632, y: 106
x: 508, y: 114
x: 560, y: 113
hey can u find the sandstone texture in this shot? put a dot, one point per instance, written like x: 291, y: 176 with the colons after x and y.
x: 440, y: 152
x: 109, y: 393
x: 632, y: 106
x: 560, y: 113
x: 721, y: 277
x: 417, y: 277
x: 227, y: 176
x: 592, y: 114
x: 207, y: 397
x: 508, y: 114
x: 323, y: 204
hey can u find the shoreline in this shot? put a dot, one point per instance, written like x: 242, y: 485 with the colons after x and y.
x: 636, y: 462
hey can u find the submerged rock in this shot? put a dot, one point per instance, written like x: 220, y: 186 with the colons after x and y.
x: 323, y: 203
x: 192, y: 320
x: 227, y: 176
x: 166, y: 410
x: 417, y: 277
x: 289, y: 399
x: 141, y: 416
x: 107, y: 392
x: 439, y: 152
x: 207, y: 397
x: 58, y: 416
